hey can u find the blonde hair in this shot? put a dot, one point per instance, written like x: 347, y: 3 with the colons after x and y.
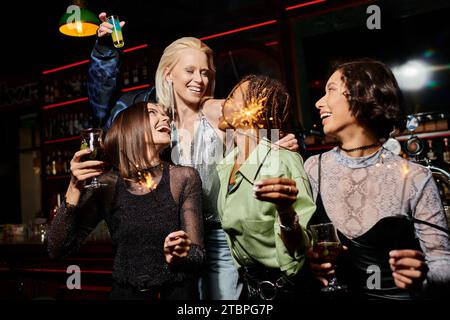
x: 169, y: 59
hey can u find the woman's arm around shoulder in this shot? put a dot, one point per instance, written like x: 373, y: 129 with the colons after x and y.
x: 212, y: 109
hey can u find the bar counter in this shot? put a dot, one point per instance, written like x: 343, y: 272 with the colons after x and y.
x: 27, y: 272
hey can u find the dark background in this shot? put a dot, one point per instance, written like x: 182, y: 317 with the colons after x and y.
x: 32, y: 26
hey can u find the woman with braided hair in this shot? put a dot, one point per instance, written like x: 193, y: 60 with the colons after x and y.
x: 265, y: 200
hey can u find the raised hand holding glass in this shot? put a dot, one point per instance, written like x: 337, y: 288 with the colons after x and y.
x: 92, y: 138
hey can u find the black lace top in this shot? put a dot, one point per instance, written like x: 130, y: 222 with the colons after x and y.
x: 138, y: 220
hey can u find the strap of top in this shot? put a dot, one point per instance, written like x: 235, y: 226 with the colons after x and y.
x: 319, y: 175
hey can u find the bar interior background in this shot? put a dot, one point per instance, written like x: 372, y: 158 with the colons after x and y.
x: 43, y: 98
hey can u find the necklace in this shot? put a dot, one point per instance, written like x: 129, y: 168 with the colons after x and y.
x: 369, y: 146
x: 158, y: 165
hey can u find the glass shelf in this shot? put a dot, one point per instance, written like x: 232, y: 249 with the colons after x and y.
x: 425, y: 135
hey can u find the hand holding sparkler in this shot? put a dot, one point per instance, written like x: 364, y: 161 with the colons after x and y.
x: 408, y: 266
x: 280, y: 191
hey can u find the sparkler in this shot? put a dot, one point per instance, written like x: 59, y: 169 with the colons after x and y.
x: 148, y: 182
x: 251, y: 114
x: 405, y: 171
x: 144, y: 180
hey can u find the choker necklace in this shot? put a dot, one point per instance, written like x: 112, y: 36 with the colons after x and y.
x: 369, y: 146
x: 158, y: 165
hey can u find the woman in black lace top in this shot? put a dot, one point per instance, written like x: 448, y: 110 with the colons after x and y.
x: 387, y: 210
x: 152, y: 209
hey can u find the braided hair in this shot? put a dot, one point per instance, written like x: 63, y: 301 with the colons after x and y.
x: 270, y: 99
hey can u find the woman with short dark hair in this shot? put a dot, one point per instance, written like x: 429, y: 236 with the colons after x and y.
x: 373, y: 95
x: 387, y: 210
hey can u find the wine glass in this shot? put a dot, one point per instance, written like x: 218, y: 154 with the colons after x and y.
x: 92, y: 138
x: 327, y: 245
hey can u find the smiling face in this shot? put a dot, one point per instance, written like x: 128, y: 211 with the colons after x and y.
x: 159, y: 124
x: 190, y: 77
x: 334, y: 107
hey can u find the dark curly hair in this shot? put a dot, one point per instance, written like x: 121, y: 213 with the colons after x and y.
x: 374, y: 96
x: 274, y: 99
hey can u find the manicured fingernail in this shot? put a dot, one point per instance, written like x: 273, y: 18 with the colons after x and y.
x: 257, y: 183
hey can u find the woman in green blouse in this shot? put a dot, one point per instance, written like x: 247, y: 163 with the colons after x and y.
x: 265, y: 199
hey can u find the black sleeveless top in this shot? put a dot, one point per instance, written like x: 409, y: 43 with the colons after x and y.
x: 369, y: 254
x: 138, y: 225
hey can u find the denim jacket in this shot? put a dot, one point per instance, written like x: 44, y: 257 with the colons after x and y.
x: 103, y: 87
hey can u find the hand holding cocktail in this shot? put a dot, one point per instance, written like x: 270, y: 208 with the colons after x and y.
x: 111, y: 25
x: 92, y: 140
x: 83, y: 170
x: 324, y: 254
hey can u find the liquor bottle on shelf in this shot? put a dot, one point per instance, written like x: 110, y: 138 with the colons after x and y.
x: 431, y: 155
x: 68, y: 89
x: 54, y: 171
x: 56, y: 91
x: 76, y: 85
x: 51, y: 97
x: 48, y: 166
x: 71, y: 131
x: 76, y: 124
x: 47, y: 93
x: 126, y: 76
x: 446, y: 152
x: 135, y: 74
x: 144, y: 71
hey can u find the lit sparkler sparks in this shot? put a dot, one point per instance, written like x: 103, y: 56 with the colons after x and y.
x: 251, y: 114
x: 144, y: 180
x: 148, y: 181
x: 405, y: 171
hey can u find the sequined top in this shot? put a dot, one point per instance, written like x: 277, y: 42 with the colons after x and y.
x: 138, y: 221
x: 357, y: 192
x: 206, y: 150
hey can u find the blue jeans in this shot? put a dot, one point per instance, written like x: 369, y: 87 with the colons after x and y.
x: 220, y: 279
